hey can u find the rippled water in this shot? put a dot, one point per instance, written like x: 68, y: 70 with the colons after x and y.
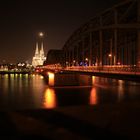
x: 23, y: 91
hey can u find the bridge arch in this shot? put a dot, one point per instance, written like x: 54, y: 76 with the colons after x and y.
x: 110, y: 38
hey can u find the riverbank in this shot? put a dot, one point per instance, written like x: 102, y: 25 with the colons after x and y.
x: 76, y: 122
x: 15, y: 72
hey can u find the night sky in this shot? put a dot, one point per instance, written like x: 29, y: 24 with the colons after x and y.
x: 21, y: 20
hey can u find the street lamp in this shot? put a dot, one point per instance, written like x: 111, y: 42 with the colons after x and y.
x: 74, y: 62
x: 86, y: 59
x: 110, y: 60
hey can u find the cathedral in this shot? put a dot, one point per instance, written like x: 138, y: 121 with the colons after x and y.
x: 39, y: 57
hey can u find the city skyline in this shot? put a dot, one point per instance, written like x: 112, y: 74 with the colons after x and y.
x: 21, y: 22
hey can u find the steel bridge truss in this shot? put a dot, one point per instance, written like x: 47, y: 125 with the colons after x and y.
x: 110, y: 38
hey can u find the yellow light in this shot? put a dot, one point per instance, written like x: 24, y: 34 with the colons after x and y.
x: 50, y: 98
x: 110, y: 55
x: 41, y: 77
x: 93, y: 80
x: 20, y: 75
x: 6, y: 75
x: 12, y: 75
x: 51, y: 79
x: 86, y: 59
x: 120, y: 90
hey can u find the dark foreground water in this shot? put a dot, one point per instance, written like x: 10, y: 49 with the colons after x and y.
x: 23, y: 91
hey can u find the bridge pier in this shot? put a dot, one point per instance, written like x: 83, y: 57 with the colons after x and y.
x: 69, y: 79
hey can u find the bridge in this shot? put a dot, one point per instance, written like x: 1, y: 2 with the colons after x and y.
x: 108, y: 45
x: 111, y: 38
x: 83, y: 76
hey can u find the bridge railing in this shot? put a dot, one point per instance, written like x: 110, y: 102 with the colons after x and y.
x: 125, y: 69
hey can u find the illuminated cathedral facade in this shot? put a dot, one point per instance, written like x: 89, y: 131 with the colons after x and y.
x: 39, y: 56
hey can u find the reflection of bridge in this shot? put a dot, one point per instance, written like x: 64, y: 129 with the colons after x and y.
x: 111, y: 38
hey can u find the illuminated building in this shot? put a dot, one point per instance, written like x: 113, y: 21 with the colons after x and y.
x: 39, y: 57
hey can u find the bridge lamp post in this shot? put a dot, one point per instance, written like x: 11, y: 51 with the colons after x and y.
x: 86, y: 60
x: 118, y: 63
x: 67, y: 63
x: 110, y: 58
x: 74, y: 62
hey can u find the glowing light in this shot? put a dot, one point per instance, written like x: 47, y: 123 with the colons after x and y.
x: 50, y: 98
x: 120, y: 90
x: 41, y: 34
x: 41, y: 77
x: 93, y: 80
x: 6, y: 75
x: 110, y: 55
x: 93, y: 97
x: 51, y: 79
x: 118, y: 63
x: 12, y: 75
x: 86, y: 59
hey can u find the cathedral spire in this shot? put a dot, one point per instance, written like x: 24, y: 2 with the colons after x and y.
x: 39, y: 57
x: 36, y: 51
x: 42, y: 49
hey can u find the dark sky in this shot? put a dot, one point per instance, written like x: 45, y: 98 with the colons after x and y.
x: 21, y: 20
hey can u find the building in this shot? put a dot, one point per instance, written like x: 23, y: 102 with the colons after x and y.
x: 39, y: 57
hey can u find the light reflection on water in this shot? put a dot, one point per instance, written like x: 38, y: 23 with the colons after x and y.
x: 50, y: 98
x: 19, y: 91
x: 93, y: 97
x: 116, y: 90
x: 51, y: 77
x: 120, y: 90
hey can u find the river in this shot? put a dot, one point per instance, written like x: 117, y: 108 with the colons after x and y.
x: 23, y: 91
